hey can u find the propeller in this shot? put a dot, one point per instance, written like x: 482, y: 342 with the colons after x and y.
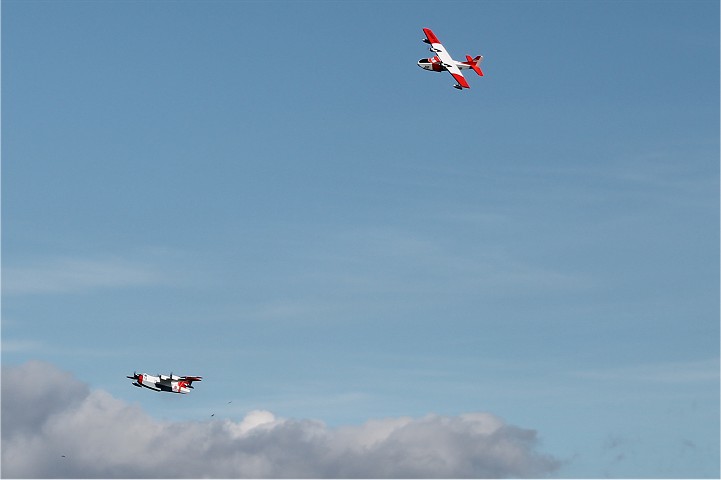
x: 134, y: 377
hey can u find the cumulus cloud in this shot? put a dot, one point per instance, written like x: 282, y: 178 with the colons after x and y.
x: 60, y: 428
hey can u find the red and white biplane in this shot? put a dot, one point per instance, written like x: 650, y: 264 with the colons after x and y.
x: 444, y: 62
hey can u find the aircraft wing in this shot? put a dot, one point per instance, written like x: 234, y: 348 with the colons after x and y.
x: 446, y: 59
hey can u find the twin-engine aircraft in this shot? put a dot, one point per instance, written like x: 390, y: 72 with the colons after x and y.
x: 164, y: 383
x: 443, y: 61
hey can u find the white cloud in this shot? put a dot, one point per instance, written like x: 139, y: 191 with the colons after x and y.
x: 101, y: 436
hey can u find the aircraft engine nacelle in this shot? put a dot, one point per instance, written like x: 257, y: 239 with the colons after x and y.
x: 182, y: 387
x: 433, y: 64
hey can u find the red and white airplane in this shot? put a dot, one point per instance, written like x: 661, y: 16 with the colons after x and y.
x: 164, y: 383
x: 443, y: 61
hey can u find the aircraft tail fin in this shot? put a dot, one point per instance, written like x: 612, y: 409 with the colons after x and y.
x: 474, y: 62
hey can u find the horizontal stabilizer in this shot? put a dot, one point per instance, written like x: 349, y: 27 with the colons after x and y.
x: 473, y: 62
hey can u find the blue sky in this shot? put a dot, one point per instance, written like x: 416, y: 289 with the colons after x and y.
x: 274, y: 196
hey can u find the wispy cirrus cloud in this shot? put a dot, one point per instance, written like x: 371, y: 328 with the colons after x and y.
x: 665, y: 372
x: 69, y: 431
x: 77, y: 275
x: 17, y: 345
x: 393, y: 259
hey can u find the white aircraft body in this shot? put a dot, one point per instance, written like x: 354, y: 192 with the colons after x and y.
x: 164, y: 383
x: 444, y: 62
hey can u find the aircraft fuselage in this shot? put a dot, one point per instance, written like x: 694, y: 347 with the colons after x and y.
x: 434, y: 64
x: 163, y: 383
